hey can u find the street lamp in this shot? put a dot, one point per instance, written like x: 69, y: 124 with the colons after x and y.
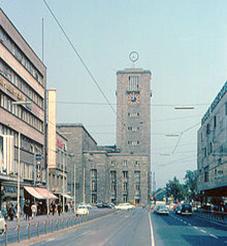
x: 184, y: 107
x: 25, y: 103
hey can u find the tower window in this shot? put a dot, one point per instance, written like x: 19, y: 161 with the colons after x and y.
x: 133, y: 83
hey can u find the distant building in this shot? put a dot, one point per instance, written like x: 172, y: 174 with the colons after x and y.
x: 118, y: 173
x: 22, y: 124
x: 79, y: 141
x: 212, y: 150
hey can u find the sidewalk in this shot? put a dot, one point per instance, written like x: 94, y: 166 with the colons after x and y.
x: 215, y: 217
x: 39, y: 218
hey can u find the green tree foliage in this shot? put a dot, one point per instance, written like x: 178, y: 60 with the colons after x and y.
x: 176, y: 189
x: 190, y: 179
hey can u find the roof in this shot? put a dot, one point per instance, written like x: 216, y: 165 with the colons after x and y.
x: 133, y: 70
x: 75, y: 125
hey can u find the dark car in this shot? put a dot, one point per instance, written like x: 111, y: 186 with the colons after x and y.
x: 184, y: 209
x: 103, y: 205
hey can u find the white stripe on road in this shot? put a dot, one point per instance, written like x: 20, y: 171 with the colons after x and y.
x: 151, y: 230
x: 195, y: 227
x: 212, y: 235
x: 203, y: 231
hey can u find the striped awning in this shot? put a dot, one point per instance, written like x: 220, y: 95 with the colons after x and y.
x: 40, y: 193
x: 33, y: 192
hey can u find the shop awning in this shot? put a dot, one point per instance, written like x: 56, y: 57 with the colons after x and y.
x: 33, y: 192
x: 67, y: 196
x: 45, y: 193
x: 40, y: 193
x: 64, y: 195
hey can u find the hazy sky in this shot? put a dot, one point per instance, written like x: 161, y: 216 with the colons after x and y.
x: 182, y: 42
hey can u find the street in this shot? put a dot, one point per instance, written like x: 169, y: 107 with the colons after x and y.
x: 187, y: 230
x: 121, y: 228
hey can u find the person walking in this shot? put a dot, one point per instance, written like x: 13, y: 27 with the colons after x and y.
x: 26, y: 210
x: 10, y: 212
x: 59, y: 209
x: 53, y: 207
x: 34, y: 210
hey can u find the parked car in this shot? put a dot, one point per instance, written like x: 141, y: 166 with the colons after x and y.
x: 162, y: 209
x: 184, y: 209
x: 82, y: 210
x: 87, y: 205
x: 124, y: 206
x: 104, y: 205
x: 2, y: 224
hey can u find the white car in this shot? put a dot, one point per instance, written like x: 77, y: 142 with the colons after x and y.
x: 2, y: 224
x: 87, y: 205
x: 82, y: 210
x: 124, y: 206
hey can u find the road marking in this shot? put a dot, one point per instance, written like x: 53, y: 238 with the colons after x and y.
x: 189, y: 224
x: 212, y: 235
x: 195, y: 227
x: 185, y: 222
x: 151, y: 230
x: 50, y: 239
x: 203, y: 231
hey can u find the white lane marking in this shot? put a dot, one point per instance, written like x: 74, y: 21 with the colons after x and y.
x: 195, y: 227
x: 185, y: 222
x: 50, y: 239
x: 189, y: 224
x: 203, y: 231
x: 151, y: 230
x: 212, y: 235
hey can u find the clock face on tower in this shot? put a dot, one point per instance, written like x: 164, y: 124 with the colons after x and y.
x: 133, y: 98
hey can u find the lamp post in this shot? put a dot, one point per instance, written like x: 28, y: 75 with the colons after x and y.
x: 18, y: 179
x: 26, y: 103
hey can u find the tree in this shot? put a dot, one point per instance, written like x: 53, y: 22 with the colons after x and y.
x: 176, y: 189
x: 190, y: 179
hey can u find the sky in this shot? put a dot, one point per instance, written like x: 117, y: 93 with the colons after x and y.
x: 183, y: 43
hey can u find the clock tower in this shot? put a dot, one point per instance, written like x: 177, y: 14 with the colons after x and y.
x: 133, y: 111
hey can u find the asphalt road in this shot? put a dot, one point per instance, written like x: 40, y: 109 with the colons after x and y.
x: 187, y: 230
x: 122, y: 228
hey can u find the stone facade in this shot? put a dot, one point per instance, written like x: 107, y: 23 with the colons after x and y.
x: 79, y: 141
x: 115, y: 173
x: 120, y: 177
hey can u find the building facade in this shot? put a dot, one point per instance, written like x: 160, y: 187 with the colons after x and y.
x: 22, y: 111
x: 79, y: 141
x: 117, y: 173
x: 212, y: 150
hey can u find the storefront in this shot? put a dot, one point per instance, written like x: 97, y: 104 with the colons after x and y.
x: 39, y: 195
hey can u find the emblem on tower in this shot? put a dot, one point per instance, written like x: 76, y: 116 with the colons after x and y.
x: 133, y: 56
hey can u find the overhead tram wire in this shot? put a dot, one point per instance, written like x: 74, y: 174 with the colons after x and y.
x: 79, y: 56
x: 109, y: 103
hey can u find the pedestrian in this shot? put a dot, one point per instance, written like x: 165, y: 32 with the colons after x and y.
x: 53, y: 208
x: 34, y: 210
x: 26, y: 210
x: 59, y: 209
x: 66, y: 207
x: 10, y: 212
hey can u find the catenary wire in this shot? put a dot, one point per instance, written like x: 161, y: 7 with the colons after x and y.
x: 79, y: 56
